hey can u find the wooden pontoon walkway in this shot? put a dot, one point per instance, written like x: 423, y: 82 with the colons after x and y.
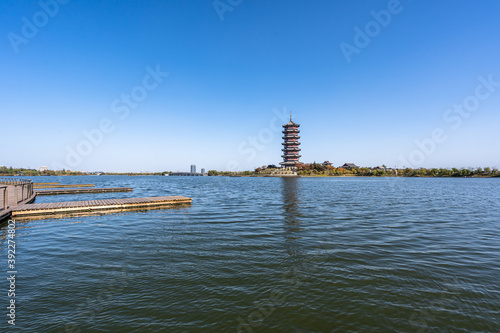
x: 83, y: 190
x: 72, y: 208
x: 61, y: 185
x: 10, y: 199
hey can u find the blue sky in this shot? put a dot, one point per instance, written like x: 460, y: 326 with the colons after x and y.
x: 209, y: 83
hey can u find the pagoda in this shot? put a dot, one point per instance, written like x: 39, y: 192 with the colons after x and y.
x: 290, y: 145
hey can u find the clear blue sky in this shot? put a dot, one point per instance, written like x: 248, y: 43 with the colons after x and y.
x: 235, y: 70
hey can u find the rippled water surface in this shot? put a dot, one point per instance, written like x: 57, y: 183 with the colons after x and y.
x: 266, y: 255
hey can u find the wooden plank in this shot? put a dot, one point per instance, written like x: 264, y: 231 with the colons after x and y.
x: 5, y: 213
x: 83, y: 190
x: 63, y: 185
x: 45, y: 210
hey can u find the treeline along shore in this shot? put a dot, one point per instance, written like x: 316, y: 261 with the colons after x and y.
x: 10, y: 171
x: 326, y: 170
x: 303, y: 169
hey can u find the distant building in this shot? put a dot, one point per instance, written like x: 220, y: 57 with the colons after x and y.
x: 350, y: 166
x: 192, y: 173
x: 327, y: 163
x: 43, y: 168
x: 186, y: 174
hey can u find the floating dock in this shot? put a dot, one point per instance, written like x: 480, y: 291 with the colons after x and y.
x: 15, y: 192
x: 83, y: 190
x: 92, y: 207
x: 61, y: 185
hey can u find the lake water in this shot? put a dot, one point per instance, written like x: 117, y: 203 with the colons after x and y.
x: 266, y: 255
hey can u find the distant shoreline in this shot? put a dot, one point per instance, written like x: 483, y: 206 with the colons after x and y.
x: 361, y: 176
x: 265, y: 176
x: 310, y: 170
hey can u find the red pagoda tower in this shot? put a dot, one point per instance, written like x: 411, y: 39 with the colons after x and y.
x: 291, y: 145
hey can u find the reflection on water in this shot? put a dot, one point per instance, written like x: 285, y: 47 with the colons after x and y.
x: 291, y: 208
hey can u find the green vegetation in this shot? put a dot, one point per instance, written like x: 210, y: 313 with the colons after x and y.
x: 316, y: 169
x: 325, y: 170
x: 10, y: 171
x: 303, y: 169
x: 230, y: 173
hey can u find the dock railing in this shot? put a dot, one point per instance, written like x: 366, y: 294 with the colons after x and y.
x: 4, y: 202
x: 22, y: 190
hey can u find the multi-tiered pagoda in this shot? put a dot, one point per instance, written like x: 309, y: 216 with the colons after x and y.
x: 291, y: 145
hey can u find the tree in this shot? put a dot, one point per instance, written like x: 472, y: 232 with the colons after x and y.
x: 487, y: 170
x: 445, y: 172
x: 465, y: 172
